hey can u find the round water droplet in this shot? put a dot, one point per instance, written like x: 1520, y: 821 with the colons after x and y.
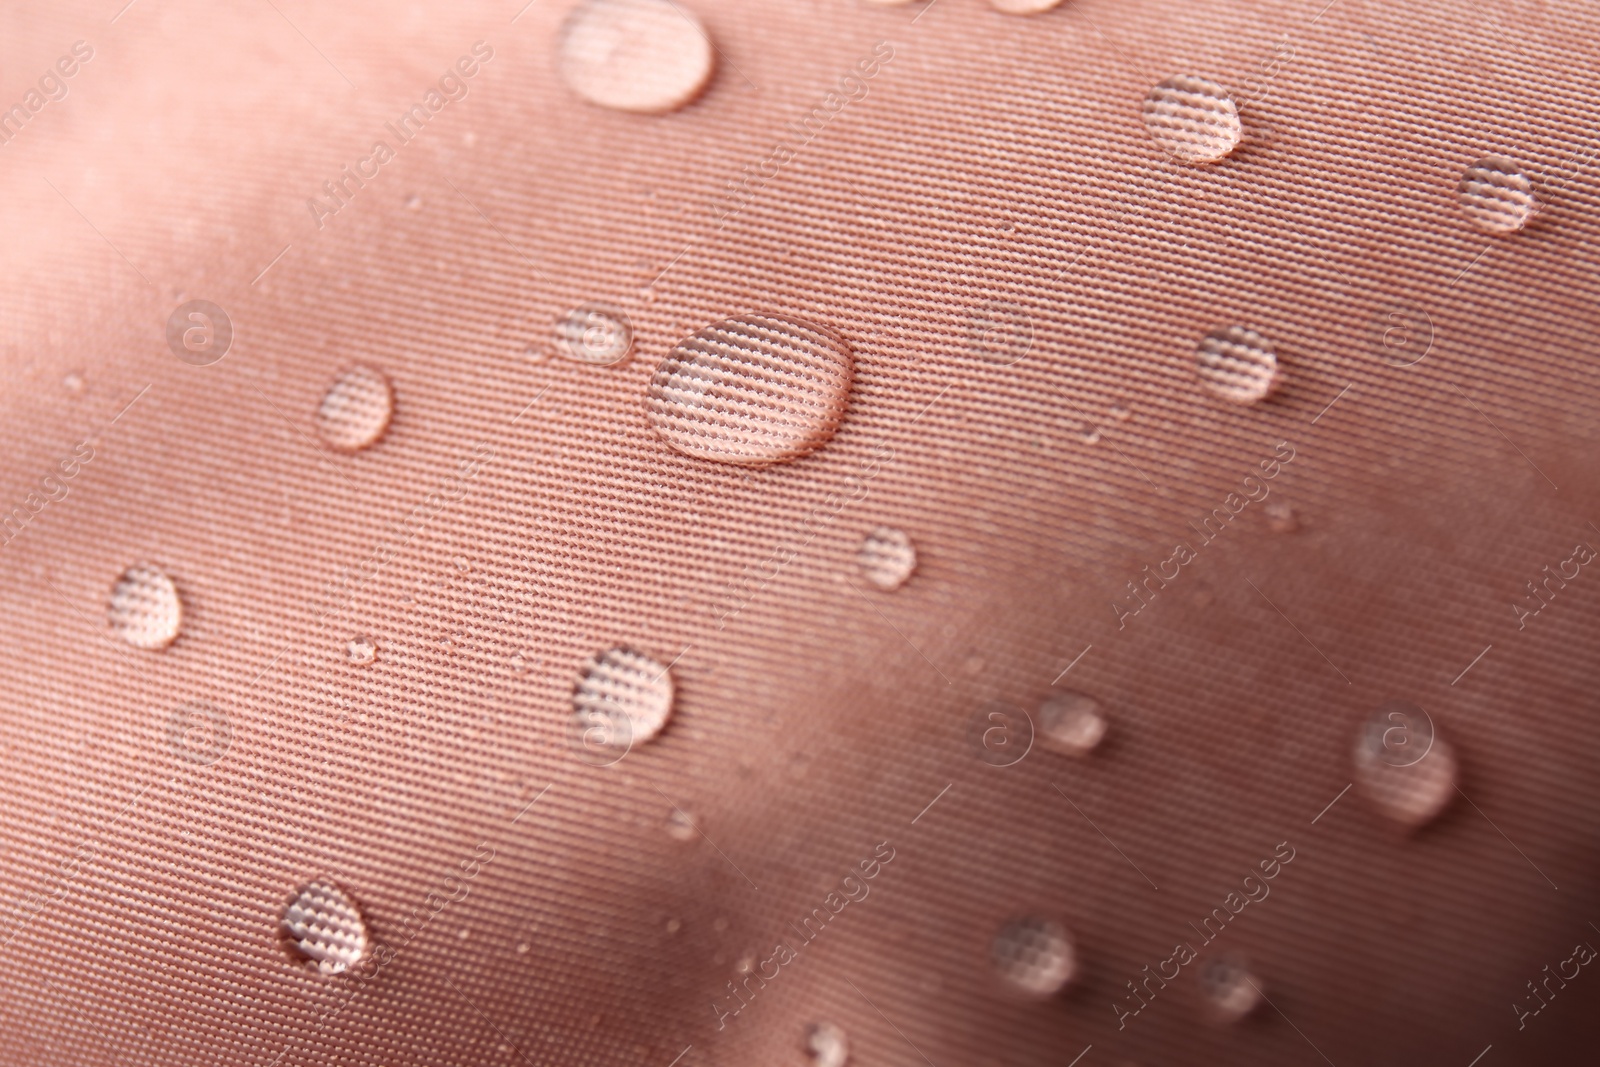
x: 595, y: 333
x: 1071, y: 723
x: 680, y: 826
x: 1034, y: 955
x: 826, y: 1045
x: 635, y: 55
x: 363, y: 650
x: 1402, y: 766
x: 356, y: 410
x: 751, y: 390
x: 1281, y: 518
x: 1497, y: 196
x: 1193, y: 119
x: 622, y: 696
x: 145, y: 609
x: 73, y: 382
x: 326, y: 927
x: 1230, y: 989
x: 887, y: 557
x: 1237, y: 364
x: 1024, y: 7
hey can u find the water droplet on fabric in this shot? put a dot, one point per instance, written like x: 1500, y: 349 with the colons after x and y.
x: 1230, y: 989
x: 751, y: 390
x: 646, y: 56
x: 826, y: 1045
x: 887, y: 557
x: 1237, y: 364
x: 1034, y: 955
x: 362, y: 650
x: 1281, y: 518
x: 1497, y: 196
x: 356, y: 410
x: 326, y: 927
x: 1071, y: 723
x: 1023, y: 7
x: 1193, y: 119
x: 74, y: 383
x: 145, y: 608
x: 680, y: 827
x: 595, y: 334
x: 622, y: 696
x: 1402, y: 765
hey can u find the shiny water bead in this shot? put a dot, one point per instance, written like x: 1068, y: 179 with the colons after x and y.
x: 1230, y: 989
x: 751, y: 390
x: 145, y: 611
x: 1497, y: 196
x: 595, y: 334
x: 325, y: 926
x: 1237, y: 364
x: 635, y: 55
x: 627, y: 683
x: 356, y: 410
x: 1034, y: 955
x: 1402, y: 766
x: 1024, y: 7
x: 827, y: 1045
x: 362, y: 650
x: 887, y: 558
x: 1071, y: 723
x: 1193, y: 119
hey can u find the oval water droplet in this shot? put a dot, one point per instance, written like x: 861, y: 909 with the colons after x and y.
x: 595, y: 334
x: 355, y: 410
x: 1497, y: 196
x: 324, y: 925
x: 1071, y: 723
x: 751, y: 390
x: 1237, y: 364
x: 1281, y: 518
x: 635, y: 55
x: 145, y: 609
x: 1230, y: 989
x: 1193, y: 119
x: 1402, y: 765
x: 621, y: 697
x: 1024, y: 7
x: 362, y: 650
x: 1034, y: 955
x: 680, y: 826
x: 887, y: 557
x: 827, y: 1045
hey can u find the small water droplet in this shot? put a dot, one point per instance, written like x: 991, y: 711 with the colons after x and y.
x: 519, y: 662
x: 1120, y: 413
x: 1281, y: 518
x: 363, y: 650
x: 326, y: 927
x: 1090, y: 436
x: 356, y: 410
x: 413, y: 202
x: 74, y: 383
x: 463, y: 564
x: 523, y: 948
x: 1237, y: 364
x: 635, y: 55
x: 1023, y: 7
x: 674, y: 925
x: 145, y: 610
x: 751, y: 390
x: 1231, y: 990
x: 1402, y: 766
x: 827, y: 1045
x: 595, y: 334
x: 887, y: 557
x: 1497, y: 196
x: 1035, y: 955
x: 1193, y: 119
x: 1071, y: 723
x: 622, y: 696
x: 680, y: 826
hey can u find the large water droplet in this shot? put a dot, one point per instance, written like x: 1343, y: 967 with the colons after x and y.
x: 1071, y: 723
x: 827, y: 1045
x: 355, y: 410
x: 1497, y: 196
x: 622, y: 696
x: 145, y: 609
x: 1237, y: 364
x: 635, y: 55
x: 1035, y: 955
x: 887, y: 557
x: 1230, y: 989
x: 751, y: 390
x: 325, y: 926
x: 1403, y: 766
x: 1193, y: 119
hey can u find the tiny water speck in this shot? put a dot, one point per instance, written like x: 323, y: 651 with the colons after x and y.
x: 1237, y: 364
x: 1193, y: 119
x: 324, y: 925
x: 827, y: 1045
x: 356, y: 410
x: 1497, y: 196
x: 146, y: 611
x: 1071, y: 723
x: 647, y: 56
x: 1034, y: 955
x: 363, y: 650
x: 887, y: 557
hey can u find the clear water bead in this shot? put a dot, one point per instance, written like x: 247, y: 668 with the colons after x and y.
x: 827, y: 1045
x: 1402, y: 765
x: 146, y: 611
x: 622, y: 696
x: 1237, y: 364
x: 635, y: 55
x: 1034, y: 955
x: 356, y: 409
x: 325, y: 926
x: 595, y: 334
x: 1497, y: 196
x: 887, y: 558
x: 751, y: 390
x: 1071, y: 723
x: 1193, y: 119
x: 1230, y: 989
x: 362, y: 650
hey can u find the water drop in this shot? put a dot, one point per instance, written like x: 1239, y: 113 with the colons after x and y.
x: 1230, y: 989
x: 1034, y: 955
x: 413, y: 202
x: 887, y: 557
x: 1281, y: 518
x: 1023, y: 7
x: 325, y: 926
x: 1237, y: 364
x: 674, y: 925
x: 145, y: 609
x: 635, y: 55
x: 74, y: 383
x: 751, y: 390
x: 1402, y: 766
x: 826, y: 1045
x: 622, y: 696
x: 1497, y: 196
x: 1193, y: 119
x: 363, y: 650
x: 519, y: 662
x: 356, y: 410
x: 680, y: 827
x: 1071, y: 723
x: 595, y: 333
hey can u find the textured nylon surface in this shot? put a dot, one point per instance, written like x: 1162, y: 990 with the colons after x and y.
x: 520, y: 517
